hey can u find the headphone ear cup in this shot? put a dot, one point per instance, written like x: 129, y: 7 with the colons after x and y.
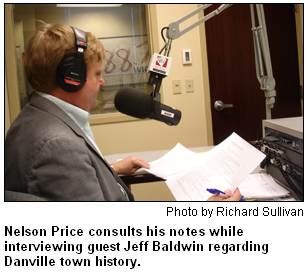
x: 71, y: 74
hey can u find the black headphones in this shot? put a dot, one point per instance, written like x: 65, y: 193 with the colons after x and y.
x: 72, y: 71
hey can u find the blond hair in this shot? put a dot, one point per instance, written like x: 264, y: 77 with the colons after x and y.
x: 49, y: 45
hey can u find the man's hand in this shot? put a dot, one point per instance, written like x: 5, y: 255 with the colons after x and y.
x: 235, y: 197
x: 129, y: 165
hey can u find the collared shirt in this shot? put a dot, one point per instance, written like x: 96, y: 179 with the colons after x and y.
x: 80, y: 117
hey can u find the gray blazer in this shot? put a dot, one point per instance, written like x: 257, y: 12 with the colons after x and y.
x: 48, y: 155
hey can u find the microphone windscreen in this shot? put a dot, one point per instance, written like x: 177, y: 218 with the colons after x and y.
x: 133, y: 103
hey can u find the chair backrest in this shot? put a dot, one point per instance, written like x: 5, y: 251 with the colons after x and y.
x: 18, y: 196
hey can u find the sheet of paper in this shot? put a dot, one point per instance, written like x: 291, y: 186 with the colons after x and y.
x: 223, y: 167
x: 261, y: 186
x: 174, y: 161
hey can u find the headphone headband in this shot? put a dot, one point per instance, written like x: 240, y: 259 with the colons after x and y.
x: 81, y: 38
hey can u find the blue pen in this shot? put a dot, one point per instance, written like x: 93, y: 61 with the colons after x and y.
x: 218, y: 192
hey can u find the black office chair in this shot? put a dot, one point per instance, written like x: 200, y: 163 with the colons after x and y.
x: 18, y: 196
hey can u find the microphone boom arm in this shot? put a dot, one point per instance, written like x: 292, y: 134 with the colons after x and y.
x: 174, y: 30
x: 262, y: 52
x: 261, y: 47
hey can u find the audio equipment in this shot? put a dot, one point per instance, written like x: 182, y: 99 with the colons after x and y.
x: 284, y: 146
x: 72, y: 71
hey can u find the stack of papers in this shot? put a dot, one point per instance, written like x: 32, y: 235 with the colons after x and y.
x: 226, y: 166
x: 261, y: 186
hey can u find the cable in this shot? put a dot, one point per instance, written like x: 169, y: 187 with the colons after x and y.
x: 162, y: 35
x: 277, y: 152
x: 288, y: 180
x: 259, y: 134
x: 276, y: 98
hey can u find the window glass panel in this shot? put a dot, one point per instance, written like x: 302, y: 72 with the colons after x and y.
x: 122, y: 30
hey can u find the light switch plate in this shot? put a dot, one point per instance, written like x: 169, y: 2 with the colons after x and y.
x: 189, y: 83
x: 176, y: 86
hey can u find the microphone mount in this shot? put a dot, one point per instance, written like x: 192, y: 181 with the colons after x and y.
x: 155, y: 79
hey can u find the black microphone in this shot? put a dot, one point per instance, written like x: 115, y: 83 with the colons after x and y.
x: 141, y: 105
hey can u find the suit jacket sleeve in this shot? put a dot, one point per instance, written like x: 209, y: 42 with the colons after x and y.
x: 63, y: 169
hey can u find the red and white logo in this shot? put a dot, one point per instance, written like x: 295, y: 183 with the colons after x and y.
x: 161, y: 61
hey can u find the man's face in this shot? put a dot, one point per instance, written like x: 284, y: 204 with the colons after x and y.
x: 88, y: 93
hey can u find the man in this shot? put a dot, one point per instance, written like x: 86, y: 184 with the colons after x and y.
x: 50, y: 150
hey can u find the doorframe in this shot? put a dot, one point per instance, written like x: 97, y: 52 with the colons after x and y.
x: 206, y: 81
x: 10, y: 65
x: 299, y: 17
